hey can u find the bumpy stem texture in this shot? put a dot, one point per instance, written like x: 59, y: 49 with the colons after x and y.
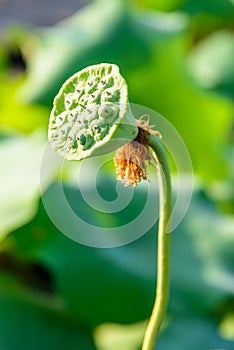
x: 162, y: 290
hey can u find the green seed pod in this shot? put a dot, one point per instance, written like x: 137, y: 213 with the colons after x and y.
x: 90, y: 110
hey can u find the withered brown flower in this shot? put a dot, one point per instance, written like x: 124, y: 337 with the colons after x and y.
x: 131, y: 159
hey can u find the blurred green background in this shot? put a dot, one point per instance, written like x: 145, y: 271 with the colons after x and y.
x: 178, y: 59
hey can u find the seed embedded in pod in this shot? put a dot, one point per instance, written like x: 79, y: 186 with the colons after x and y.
x: 69, y: 101
x: 71, y: 117
x: 91, y: 85
x: 97, y: 128
x: 105, y: 111
x: 91, y: 112
x: 81, y: 139
x: 59, y: 121
x: 70, y: 140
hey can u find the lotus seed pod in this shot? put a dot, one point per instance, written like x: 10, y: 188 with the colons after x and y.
x: 90, y: 110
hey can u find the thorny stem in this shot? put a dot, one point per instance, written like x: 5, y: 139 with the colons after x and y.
x: 162, y: 290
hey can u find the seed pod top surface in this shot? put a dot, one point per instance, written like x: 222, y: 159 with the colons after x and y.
x: 90, y: 109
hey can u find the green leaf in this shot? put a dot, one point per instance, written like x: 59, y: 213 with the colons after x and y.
x: 15, y: 114
x: 194, y: 334
x: 226, y: 327
x: 177, y: 334
x: 219, y: 8
x: 202, y: 252
x: 27, y: 324
x: 211, y: 62
x: 123, y: 279
x: 81, y: 272
x: 100, y: 32
x: 191, y: 111
x: 20, y: 159
x: 162, y: 5
x: 111, y: 336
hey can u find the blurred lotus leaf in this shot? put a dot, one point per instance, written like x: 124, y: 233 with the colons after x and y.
x: 15, y: 114
x: 219, y: 8
x: 102, y: 31
x: 112, y: 336
x: 181, y: 331
x: 176, y: 335
x: 20, y: 159
x: 117, y: 285
x: 211, y: 62
x: 37, y: 323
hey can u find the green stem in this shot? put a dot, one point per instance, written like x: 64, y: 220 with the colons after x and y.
x: 162, y: 290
